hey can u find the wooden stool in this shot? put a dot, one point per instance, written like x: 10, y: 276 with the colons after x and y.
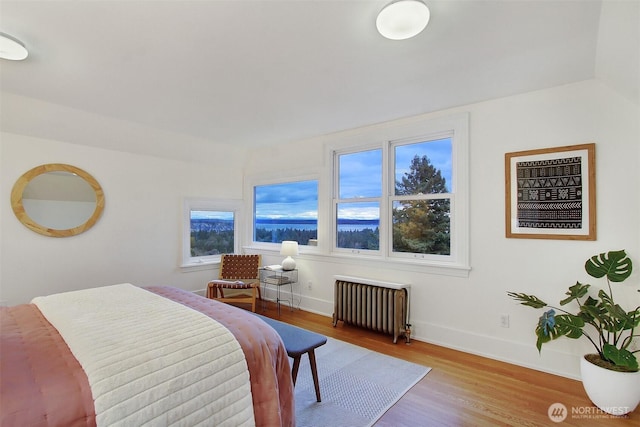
x: 298, y: 341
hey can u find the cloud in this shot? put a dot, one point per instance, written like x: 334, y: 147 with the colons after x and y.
x: 289, y: 200
x: 364, y: 210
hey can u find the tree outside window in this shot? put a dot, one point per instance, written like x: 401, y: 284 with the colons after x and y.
x: 421, y: 210
x: 212, y: 233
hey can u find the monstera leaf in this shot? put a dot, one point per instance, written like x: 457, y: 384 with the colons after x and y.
x: 576, y: 291
x: 528, y: 300
x: 613, y: 264
x: 621, y: 357
x: 591, y: 309
x: 551, y: 327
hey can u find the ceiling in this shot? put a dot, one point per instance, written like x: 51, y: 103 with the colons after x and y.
x: 254, y: 73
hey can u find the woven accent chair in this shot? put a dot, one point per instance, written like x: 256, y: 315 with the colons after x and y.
x: 237, y: 272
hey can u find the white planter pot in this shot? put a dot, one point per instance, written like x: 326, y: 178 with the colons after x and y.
x: 616, y: 393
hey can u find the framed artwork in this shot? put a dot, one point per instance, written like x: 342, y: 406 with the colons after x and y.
x: 551, y: 193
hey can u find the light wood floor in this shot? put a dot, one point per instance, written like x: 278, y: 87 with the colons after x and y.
x: 463, y: 389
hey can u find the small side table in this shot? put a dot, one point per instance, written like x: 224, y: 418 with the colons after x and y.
x: 279, y: 278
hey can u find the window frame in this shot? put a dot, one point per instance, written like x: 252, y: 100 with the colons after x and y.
x: 455, y: 126
x: 257, y: 181
x: 336, y: 200
x: 392, y: 197
x: 217, y: 205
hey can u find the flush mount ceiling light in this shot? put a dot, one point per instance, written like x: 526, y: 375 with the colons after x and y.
x: 403, y: 19
x: 12, y: 48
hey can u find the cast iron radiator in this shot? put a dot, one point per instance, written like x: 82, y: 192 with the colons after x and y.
x: 380, y: 306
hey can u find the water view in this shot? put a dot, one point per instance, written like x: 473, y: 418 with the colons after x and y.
x: 303, y: 224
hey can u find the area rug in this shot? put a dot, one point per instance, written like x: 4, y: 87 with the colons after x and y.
x: 357, y: 385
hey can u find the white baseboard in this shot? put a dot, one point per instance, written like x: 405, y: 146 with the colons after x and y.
x: 550, y: 361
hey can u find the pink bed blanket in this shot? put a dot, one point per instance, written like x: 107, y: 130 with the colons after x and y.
x: 42, y: 384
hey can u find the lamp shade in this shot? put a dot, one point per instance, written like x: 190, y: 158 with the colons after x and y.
x: 12, y: 48
x: 403, y: 19
x: 289, y: 248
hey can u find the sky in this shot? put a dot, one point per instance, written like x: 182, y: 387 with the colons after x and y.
x: 211, y: 215
x: 360, y: 177
x: 289, y: 200
x: 438, y: 152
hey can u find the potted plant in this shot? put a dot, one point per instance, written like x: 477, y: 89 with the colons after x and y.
x: 606, y: 325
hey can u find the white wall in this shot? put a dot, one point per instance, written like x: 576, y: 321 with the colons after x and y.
x: 618, y: 50
x: 464, y: 313
x: 138, y: 238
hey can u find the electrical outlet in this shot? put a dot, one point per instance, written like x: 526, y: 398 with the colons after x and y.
x: 504, y: 320
x: 309, y: 284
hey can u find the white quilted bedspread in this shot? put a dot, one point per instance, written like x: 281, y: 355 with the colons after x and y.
x: 151, y: 361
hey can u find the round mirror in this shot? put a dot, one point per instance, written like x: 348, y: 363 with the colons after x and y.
x: 57, y: 200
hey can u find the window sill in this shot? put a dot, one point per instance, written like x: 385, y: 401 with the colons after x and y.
x: 198, y: 266
x: 402, y: 264
x: 406, y: 264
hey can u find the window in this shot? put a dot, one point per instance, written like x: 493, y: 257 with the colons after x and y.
x: 405, y: 199
x: 358, y: 204
x: 421, y: 200
x: 286, y: 211
x: 210, y: 230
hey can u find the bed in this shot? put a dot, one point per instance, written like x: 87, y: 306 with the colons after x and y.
x: 124, y: 355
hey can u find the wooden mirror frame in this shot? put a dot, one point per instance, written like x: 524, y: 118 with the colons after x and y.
x: 25, y: 179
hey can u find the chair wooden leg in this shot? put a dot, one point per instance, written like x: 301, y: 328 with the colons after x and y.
x: 294, y: 370
x: 314, y: 373
x: 212, y: 292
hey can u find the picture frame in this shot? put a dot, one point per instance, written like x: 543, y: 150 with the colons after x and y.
x: 550, y: 193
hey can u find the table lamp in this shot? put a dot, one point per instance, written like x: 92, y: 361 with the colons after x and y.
x: 289, y: 248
